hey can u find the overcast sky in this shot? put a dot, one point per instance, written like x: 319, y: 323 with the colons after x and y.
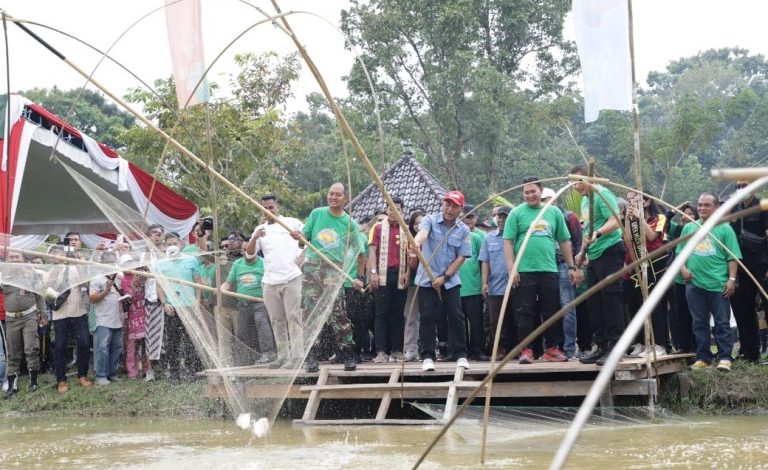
x: 665, y: 30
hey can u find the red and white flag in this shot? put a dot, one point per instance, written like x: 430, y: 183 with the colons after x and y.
x: 602, y: 39
x: 185, y: 37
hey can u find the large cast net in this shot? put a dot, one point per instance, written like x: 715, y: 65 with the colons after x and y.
x: 221, y: 335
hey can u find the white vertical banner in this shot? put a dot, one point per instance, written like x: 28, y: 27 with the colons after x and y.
x: 602, y: 39
x: 185, y: 38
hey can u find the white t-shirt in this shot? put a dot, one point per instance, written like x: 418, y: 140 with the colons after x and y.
x: 280, y: 251
x: 107, y: 310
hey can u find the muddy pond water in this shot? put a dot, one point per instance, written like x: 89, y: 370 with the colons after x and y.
x: 677, y: 442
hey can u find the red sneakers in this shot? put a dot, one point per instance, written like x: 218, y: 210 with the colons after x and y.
x: 526, y: 357
x: 554, y: 355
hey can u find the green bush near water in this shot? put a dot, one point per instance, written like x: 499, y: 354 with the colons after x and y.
x: 133, y: 398
x: 743, y: 390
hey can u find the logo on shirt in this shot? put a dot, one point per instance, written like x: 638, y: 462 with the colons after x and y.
x: 328, y: 238
x: 705, y: 248
x: 248, y: 280
x: 541, y: 229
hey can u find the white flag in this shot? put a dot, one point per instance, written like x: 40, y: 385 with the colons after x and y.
x: 602, y: 39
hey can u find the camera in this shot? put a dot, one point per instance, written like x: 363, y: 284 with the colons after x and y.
x: 206, y: 224
x: 125, y: 303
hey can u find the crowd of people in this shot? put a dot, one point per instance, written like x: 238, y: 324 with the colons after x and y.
x: 362, y: 292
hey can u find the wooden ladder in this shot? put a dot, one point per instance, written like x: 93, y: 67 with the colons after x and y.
x: 385, y: 391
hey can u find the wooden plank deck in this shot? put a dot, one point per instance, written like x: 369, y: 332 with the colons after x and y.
x: 389, y: 381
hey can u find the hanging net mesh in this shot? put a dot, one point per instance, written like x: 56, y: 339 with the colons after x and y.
x: 193, y: 334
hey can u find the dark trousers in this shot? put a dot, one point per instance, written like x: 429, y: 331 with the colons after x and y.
x: 432, y: 309
x: 682, y: 323
x: 583, y: 327
x: 472, y: 306
x: 389, y: 324
x: 605, y: 306
x: 537, y: 298
x: 659, y: 317
x: 64, y: 328
x: 744, y: 311
x: 178, y: 345
x: 357, y: 307
x: 508, y: 336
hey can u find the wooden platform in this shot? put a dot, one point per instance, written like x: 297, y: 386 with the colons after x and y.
x: 385, y: 382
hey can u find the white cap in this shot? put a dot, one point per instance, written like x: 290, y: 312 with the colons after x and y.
x: 126, y: 259
x: 547, y: 193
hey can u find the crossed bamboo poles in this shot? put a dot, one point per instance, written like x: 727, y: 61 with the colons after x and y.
x: 347, y: 129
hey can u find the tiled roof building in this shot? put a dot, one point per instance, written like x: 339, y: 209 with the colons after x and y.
x: 407, y: 179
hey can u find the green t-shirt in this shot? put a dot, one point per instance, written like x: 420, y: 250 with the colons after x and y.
x: 338, y: 238
x: 247, y: 277
x: 539, y: 255
x: 185, y: 268
x: 709, y: 261
x: 208, y: 276
x: 469, y: 272
x: 602, y: 214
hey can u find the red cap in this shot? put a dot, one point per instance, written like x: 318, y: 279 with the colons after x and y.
x: 455, y: 197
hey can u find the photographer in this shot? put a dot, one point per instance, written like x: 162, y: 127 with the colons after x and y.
x: 108, y: 343
x: 70, y: 317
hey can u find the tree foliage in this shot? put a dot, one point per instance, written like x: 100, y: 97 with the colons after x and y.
x: 252, y: 144
x: 451, y: 72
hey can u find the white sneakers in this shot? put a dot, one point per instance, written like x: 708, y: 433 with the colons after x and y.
x: 102, y: 381
x: 428, y: 365
x: 150, y: 376
x: 660, y: 351
x: 380, y: 358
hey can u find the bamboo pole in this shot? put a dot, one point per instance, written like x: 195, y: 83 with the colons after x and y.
x: 137, y: 272
x: 355, y: 143
x: 554, y: 318
x: 502, y: 312
x: 607, y: 371
x: 185, y: 151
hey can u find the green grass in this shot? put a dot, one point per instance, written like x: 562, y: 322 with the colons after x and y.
x: 743, y: 390
x: 124, y: 398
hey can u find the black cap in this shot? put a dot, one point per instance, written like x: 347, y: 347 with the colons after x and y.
x: 469, y: 210
x: 504, y: 210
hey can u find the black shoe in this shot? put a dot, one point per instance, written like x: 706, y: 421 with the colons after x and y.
x: 33, y: 381
x: 603, y: 359
x: 592, y: 357
x: 349, y: 361
x: 480, y: 357
x: 312, y: 366
x: 12, y: 386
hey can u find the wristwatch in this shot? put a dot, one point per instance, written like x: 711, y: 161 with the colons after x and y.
x: 732, y: 279
x: 572, y: 268
x: 598, y: 234
x: 373, y: 271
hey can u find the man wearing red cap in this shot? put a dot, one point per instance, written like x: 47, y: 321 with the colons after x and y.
x: 444, y: 239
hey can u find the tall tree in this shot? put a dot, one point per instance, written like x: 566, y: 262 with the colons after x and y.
x: 252, y: 141
x: 438, y: 63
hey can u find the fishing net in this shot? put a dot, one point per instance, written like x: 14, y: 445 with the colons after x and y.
x: 225, y: 336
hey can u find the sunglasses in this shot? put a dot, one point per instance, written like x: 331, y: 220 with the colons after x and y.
x: 741, y: 186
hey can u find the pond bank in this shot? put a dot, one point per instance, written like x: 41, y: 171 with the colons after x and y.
x: 743, y: 390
